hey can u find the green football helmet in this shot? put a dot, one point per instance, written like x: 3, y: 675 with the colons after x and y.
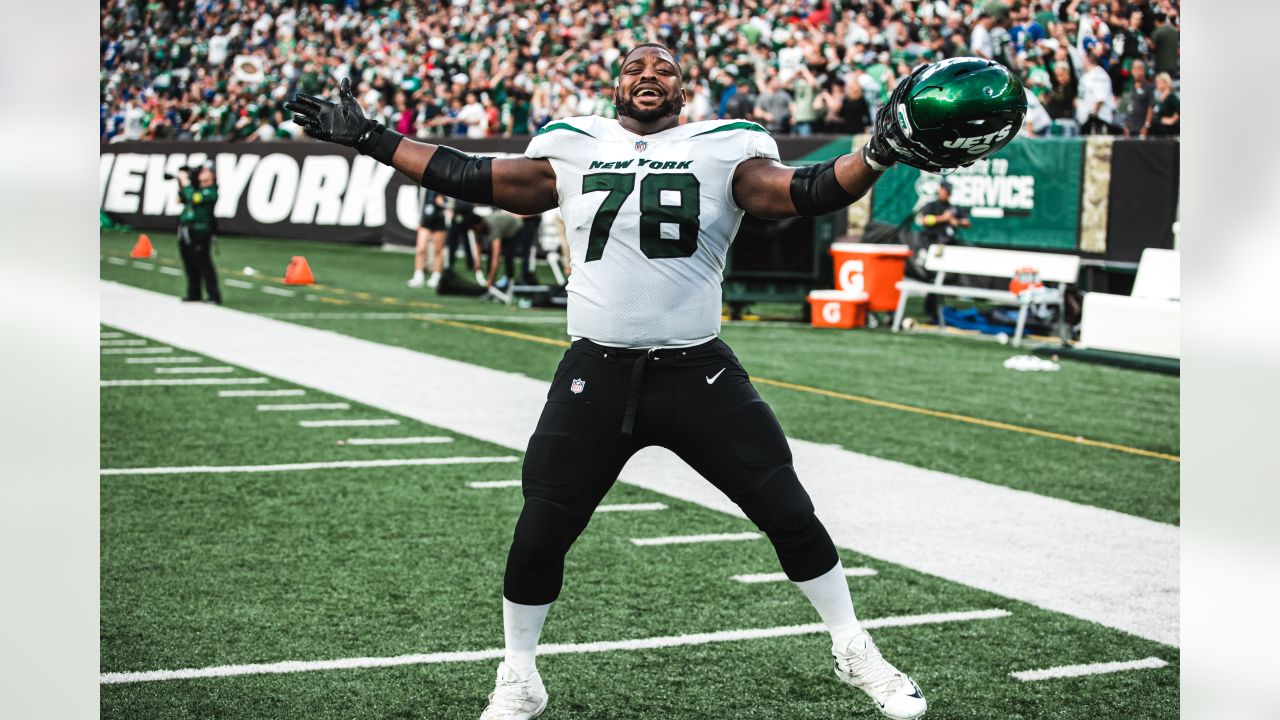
x: 951, y: 113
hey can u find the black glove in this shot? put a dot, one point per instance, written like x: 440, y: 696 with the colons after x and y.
x: 343, y: 123
x: 889, y: 144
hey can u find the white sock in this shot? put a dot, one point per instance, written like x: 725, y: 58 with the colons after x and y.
x: 830, y: 596
x: 521, y: 626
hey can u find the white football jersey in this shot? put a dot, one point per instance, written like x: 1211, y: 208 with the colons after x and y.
x: 649, y: 220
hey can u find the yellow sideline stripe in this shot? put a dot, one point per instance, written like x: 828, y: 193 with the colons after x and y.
x: 970, y: 420
x: 493, y: 331
x: 993, y: 424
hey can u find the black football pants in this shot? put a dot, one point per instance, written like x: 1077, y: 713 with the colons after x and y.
x: 605, y: 404
x: 197, y: 261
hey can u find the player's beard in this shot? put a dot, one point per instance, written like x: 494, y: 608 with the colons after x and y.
x: 669, y: 106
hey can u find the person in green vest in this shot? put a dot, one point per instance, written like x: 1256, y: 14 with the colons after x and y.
x: 196, y: 228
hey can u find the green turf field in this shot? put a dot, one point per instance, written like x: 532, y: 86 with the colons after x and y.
x: 226, y: 568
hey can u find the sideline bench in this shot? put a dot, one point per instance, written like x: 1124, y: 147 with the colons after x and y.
x: 963, y: 260
x: 1148, y: 320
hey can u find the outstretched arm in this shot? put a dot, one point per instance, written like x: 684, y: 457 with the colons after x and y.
x: 520, y: 185
x: 768, y: 189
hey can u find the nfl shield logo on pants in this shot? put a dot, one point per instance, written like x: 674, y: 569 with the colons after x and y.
x: 577, y: 386
x: 641, y: 145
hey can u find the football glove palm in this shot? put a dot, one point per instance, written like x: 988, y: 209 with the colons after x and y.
x: 343, y: 122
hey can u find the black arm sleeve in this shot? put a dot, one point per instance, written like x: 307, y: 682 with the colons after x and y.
x: 815, y: 190
x: 461, y: 176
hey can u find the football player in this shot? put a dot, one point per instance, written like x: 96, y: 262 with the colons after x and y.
x: 650, y: 207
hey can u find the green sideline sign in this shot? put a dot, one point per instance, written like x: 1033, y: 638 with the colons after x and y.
x: 1025, y: 196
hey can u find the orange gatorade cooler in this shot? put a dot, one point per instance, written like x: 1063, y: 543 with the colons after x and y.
x: 873, y: 269
x: 838, y: 309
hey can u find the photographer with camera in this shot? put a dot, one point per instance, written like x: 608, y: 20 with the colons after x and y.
x: 198, y: 189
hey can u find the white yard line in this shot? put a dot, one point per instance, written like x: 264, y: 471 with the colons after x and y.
x: 163, y: 359
x: 171, y: 270
x: 271, y: 290
x: 632, y: 507
x: 288, y: 467
x: 143, y: 265
x: 485, y: 484
x: 117, y: 261
x: 427, y: 440
x: 210, y: 369
x: 779, y: 577
x: 373, y: 422
x: 689, y: 539
x: 185, y: 381
x: 110, y: 335
x: 1070, y: 671
x: 1100, y: 565
x: 302, y: 407
x: 239, y: 284
x: 649, y: 643
x: 292, y: 392
x: 137, y: 351
x: 122, y: 343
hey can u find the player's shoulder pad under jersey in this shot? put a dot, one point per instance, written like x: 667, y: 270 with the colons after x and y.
x: 558, y: 134
x: 733, y: 139
x: 712, y: 127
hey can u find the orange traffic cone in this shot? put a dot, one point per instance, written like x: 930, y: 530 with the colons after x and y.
x: 142, y: 248
x: 299, y: 272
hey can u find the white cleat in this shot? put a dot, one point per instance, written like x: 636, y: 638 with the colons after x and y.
x: 861, y: 666
x: 416, y: 281
x: 515, y: 698
x: 434, y: 281
x: 481, y: 280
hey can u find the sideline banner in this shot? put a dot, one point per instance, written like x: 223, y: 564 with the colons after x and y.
x: 306, y: 190
x: 1026, y: 196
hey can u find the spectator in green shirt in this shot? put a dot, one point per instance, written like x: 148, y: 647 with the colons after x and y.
x: 1166, y: 40
x: 196, y: 228
x: 1166, y: 114
x: 804, y: 90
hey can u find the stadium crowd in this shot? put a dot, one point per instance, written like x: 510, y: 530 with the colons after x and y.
x: 221, y: 69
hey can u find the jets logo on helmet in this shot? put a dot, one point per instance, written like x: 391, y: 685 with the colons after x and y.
x: 948, y: 114
x: 979, y: 144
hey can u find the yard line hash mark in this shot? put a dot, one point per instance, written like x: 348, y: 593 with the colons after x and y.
x: 143, y: 265
x: 211, y: 369
x: 428, y: 440
x: 631, y: 507
x: 779, y: 577
x: 110, y: 335
x: 184, y: 381
x: 170, y: 271
x: 299, y: 407
x: 1070, y: 671
x: 286, y: 467
x: 122, y: 343
x: 278, y: 291
x: 158, y: 350
x: 650, y: 643
x: 239, y: 284
x: 163, y: 359
x: 484, y: 484
x: 688, y: 539
x: 372, y: 422
x: 293, y: 392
